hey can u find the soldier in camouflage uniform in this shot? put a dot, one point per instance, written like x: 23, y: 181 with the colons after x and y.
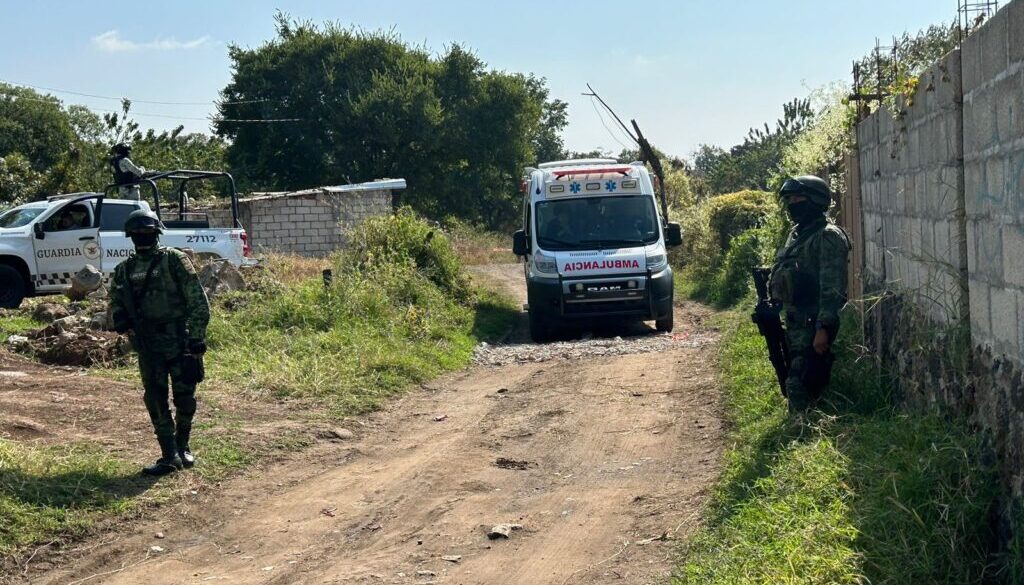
x: 156, y: 295
x: 809, y: 280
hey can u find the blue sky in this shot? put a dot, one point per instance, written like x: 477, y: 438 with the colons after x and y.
x: 690, y: 71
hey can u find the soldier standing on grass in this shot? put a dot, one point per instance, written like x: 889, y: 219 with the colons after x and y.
x: 809, y: 280
x: 156, y: 295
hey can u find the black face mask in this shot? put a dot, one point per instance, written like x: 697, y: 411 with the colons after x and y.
x: 144, y: 241
x: 803, y: 212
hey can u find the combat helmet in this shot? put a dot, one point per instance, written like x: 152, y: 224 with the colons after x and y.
x: 814, y: 188
x: 143, y: 221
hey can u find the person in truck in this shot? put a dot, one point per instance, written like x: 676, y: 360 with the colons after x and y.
x: 156, y: 295
x: 126, y: 173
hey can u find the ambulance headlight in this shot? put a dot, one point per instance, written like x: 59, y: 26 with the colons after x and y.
x: 656, y: 262
x: 545, y: 264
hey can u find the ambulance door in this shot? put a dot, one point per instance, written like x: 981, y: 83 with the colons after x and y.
x: 66, y: 240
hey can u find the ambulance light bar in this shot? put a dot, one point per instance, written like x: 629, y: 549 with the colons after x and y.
x: 586, y: 171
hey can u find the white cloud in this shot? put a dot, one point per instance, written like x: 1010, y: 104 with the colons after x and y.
x: 112, y: 42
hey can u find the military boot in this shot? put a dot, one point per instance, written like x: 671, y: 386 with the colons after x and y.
x: 184, y: 452
x: 169, y: 462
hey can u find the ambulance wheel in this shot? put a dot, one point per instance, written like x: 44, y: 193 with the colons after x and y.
x: 541, y: 329
x: 12, y: 287
x: 664, y: 324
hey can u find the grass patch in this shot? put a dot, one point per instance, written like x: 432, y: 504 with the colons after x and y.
x: 60, y: 490
x: 477, y: 245
x: 400, y: 311
x: 16, y: 324
x: 858, y: 493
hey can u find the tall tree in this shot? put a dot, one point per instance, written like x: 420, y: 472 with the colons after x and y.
x: 354, y: 106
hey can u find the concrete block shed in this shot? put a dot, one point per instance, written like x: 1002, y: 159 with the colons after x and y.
x: 311, y: 222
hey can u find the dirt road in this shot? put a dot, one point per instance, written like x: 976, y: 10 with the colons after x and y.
x: 602, y: 460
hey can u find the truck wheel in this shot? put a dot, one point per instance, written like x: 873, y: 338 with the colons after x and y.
x: 541, y: 329
x: 664, y: 324
x: 12, y: 287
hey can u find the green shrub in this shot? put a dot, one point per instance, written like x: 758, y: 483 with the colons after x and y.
x: 723, y: 238
x: 732, y: 214
x: 400, y: 311
x: 405, y: 238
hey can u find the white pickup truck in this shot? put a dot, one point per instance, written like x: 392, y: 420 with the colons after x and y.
x: 44, y: 243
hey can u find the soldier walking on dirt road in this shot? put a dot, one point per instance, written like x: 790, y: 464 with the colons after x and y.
x: 809, y: 280
x: 157, y: 296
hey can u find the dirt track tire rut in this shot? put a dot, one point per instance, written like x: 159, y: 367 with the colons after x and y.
x: 611, y: 460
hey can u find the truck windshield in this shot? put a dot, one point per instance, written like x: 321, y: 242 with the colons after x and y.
x: 19, y: 217
x: 596, y: 222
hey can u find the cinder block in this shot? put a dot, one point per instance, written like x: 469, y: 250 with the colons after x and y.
x: 1004, y: 320
x: 995, y: 57
x: 997, y: 199
x: 1013, y: 252
x: 1015, y: 23
x: 974, y: 188
x: 980, y: 130
x: 1009, y: 107
x: 947, y: 81
x: 981, y: 319
x: 946, y: 246
x: 989, y: 250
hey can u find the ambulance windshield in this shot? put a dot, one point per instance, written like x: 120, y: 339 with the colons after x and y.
x: 596, y: 223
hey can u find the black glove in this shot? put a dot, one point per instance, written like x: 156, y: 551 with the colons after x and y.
x: 196, y: 346
x: 122, y: 324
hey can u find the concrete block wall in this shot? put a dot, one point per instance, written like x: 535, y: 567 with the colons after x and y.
x: 911, y: 184
x: 994, y: 205
x: 313, y: 222
x: 942, y: 189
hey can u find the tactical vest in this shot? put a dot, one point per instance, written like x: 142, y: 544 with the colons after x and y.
x: 795, y: 279
x: 161, y: 300
x: 122, y: 177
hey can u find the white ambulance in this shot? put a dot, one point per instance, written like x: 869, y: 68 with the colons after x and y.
x: 595, y: 245
x: 44, y: 243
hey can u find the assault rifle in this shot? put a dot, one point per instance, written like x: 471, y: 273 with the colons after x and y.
x: 769, y: 324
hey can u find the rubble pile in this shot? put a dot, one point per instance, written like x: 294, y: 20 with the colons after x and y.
x: 80, y: 333
x: 71, y: 341
x: 218, y: 276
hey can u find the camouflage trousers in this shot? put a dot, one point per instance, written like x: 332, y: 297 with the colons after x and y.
x: 159, y: 360
x: 803, y: 386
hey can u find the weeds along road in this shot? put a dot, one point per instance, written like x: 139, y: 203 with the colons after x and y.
x: 603, y: 459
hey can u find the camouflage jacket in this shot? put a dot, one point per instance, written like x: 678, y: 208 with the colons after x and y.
x: 809, y: 276
x: 172, y: 293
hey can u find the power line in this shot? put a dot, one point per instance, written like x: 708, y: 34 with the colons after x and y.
x: 152, y: 102
x: 167, y: 116
x: 600, y: 117
x: 593, y: 94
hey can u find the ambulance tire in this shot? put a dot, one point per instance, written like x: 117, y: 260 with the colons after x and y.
x: 541, y: 327
x: 12, y: 287
x: 664, y: 325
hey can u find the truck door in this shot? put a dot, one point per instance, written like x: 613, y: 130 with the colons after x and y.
x: 117, y: 247
x: 66, y: 240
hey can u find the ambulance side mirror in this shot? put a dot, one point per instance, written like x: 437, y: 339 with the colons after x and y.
x: 674, y: 235
x: 520, y: 243
x: 37, y: 228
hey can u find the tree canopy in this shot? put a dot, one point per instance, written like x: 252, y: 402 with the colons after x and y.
x: 356, y: 106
